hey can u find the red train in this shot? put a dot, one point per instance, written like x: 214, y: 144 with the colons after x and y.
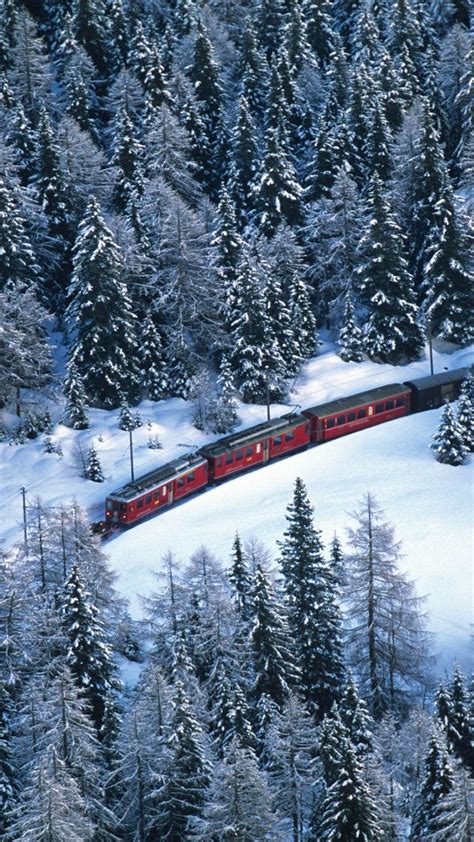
x: 265, y: 442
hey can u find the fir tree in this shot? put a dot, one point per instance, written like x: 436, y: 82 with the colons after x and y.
x: 140, y: 52
x: 391, y: 333
x: 90, y: 27
x: 244, y: 161
x: 8, y: 781
x: 350, y: 339
x: 356, y: 718
x: 127, y: 420
x: 319, y: 30
x: 22, y: 139
x: 73, y: 389
x: 155, y: 82
x: 228, y: 248
x: 127, y: 160
x: 272, y: 658
x: 89, y: 656
x: 465, y: 414
x: 240, y: 580
x: 314, y: 618
x: 448, y: 440
x: 18, y: 264
x: 222, y: 412
x: 452, y: 706
x: 454, y: 817
x: 93, y: 468
x: 100, y: 316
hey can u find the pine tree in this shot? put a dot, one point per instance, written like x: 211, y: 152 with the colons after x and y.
x: 277, y: 193
x: 319, y: 31
x: 465, y: 414
x: 22, y: 139
x: 140, y: 52
x: 455, y: 814
x: 356, y: 718
x: 8, y: 779
x: 155, y: 82
x: 228, y: 248
x: 222, y: 412
x: 90, y: 27
x: 240, y: 580
x: 155, y: 379
x: 448, y: 440
x: 100, y: 316
x: 452, y: 707
x: 349, y: 810
x: 350, y: 339
x: 378, y: 142
x: 89, y: 655
x: 272, y: 658
x: 314, y: 617
x: 181, y: 792
x: 448, y: 278
x: 391, y: 333
x: 73, y: 389
x: 437, y: 782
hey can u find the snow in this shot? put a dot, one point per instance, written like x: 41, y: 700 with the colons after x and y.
x: 429, y: 503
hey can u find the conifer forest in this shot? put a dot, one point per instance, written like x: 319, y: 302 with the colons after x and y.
x: 210, y: 210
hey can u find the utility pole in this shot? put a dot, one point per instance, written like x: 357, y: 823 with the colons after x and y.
x: 430, y: 344
x: 25, y: 531
x: 132, y: 472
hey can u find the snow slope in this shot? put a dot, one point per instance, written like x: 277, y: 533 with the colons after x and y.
x: 429, y: 503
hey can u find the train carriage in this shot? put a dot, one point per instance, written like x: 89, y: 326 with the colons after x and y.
x: 256, y: 445
x: 156, y: 490
x: 356, y: 412
x: 433, y: 391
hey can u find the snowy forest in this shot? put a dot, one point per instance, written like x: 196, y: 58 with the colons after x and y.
x: 190, y: 193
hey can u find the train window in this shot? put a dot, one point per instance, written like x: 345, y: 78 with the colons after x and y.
x: 390, y: 404
x: 140, y: 503
x: 180, y: 482
x: 156, y: 496
x: 249, y: 451
x: 164, y: 490
x: 239, y: 455
x: 378, y: 408
x: 148, y: 499
x: 351, y: 416
x: 229, y: 459
x: 277, y: 440
x: 289, y: 436
x: 219, y: 462
x: 190, y: 478
x: 123, y: 507
x: 330, y: 422
x: 341, y: 419
x: 400, y: 402
x: 362, y: 413
x: 258, y: 448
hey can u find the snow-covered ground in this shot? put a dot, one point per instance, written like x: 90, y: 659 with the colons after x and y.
x: 431, y: 504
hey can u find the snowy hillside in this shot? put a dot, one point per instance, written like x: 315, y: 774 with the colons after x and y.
x: 429, y: 503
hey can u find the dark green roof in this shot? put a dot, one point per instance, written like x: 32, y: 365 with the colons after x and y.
x: 440, y: 379
x: 169, y: 471
x: 252, y: 434
x: 353, y: 401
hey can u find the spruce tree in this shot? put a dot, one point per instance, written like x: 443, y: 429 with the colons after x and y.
x: 350, y: 339
x: 277, y: 192
x: 449, y: 440
x: 100, y: 316
x: 455, y: 715
x: 454, y: 817
x: 93, y: 468
x: 314, y: 617
x: 222, y: 412
x: 240, y: 580
x: 8, y: 778
x: 244, y: 163
x: 448, y: 278
x: 356, y: 718
x: 465, y: 414
x: 127, y: 160
x: 155, y: 82
x: 155, y: 378
x: 436, y: 783
x: 391, y: 333
x: 349, y: 810
x: 269, y: 642
x: 18, y: 264
x: 73, y: 389
x: 227, y: 246
x: 89, y: 656
x: 22, y: 139
x: 180, y: 792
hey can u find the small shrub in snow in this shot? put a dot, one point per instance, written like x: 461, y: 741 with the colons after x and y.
x: 154, y: 443
x: 448, y: 440
x: 50, y: 446
x: 31, y: 426
x: 127, y: 420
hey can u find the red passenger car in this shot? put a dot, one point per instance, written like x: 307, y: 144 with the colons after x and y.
x: 156, y: 490
x: 256, y: 445
x: 347, y: 415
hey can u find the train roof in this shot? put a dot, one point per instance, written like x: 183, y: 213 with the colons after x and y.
x: 372, y: 395
x: 169, y: 471
x: 433, y: 380
x: 251, y: 434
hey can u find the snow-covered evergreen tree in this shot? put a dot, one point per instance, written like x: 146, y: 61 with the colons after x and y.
x: 437, y: 782
x: 277, y: 192
x: 100, y: 316
x: 314, y: 617
x: 454, y: 817
x: 465, y: 414
x: 127, y: 161
x: 222, y: 411
x: 18, y: 265
x: 454, y: 710
x: 74, y: 392
x: 8, y: 776
x: 350, y: 339
x: 448, y: 442
x: 153, y: 366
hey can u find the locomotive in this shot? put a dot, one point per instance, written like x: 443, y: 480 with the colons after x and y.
x: 263, y: 443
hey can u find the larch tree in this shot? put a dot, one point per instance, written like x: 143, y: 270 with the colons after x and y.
x: 314, y: 617
x: 100, y: 316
